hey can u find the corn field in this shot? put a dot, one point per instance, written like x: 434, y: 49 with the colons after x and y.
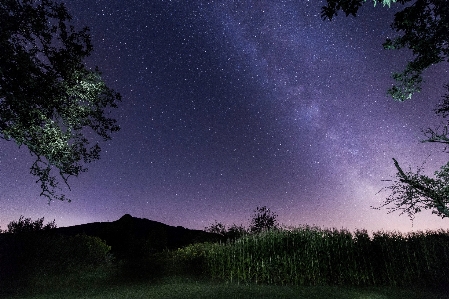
x: 314, y: 256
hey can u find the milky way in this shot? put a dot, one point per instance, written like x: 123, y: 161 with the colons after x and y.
x: 232, y: 105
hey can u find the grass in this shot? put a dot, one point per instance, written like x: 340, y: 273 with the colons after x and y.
x: 185, y: 287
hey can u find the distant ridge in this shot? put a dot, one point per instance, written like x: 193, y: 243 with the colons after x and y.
x: 129, y: 235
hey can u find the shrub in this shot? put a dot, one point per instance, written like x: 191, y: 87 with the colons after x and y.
x: 190, y: 260
x: 27, y: 258
x: 76, y: 253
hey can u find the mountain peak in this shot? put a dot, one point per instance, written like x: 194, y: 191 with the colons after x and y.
x: 126, y: 217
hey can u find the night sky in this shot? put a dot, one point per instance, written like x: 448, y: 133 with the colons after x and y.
x: 232, y: 105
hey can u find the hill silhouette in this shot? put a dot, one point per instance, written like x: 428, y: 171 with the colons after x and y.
x: 131, y: 237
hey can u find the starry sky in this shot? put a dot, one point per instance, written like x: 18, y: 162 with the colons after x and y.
x: 232, y: 105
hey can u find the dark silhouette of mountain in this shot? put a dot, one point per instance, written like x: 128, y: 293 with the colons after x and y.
x: 133, y: 237
x: 133, y: 242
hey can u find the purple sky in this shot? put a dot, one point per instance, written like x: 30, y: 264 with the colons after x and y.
x: 231, y: 105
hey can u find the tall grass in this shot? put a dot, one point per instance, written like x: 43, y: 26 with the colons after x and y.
x: 314, y: 256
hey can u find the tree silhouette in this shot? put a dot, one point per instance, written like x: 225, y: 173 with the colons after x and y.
x: 216, y: 228
x: 425, y: 32
x: 236, y: 231
x: 263, y: 220
x: 49, y: 100
x: 26, y: 225
x: 232, y: 233
x: 424, y: 24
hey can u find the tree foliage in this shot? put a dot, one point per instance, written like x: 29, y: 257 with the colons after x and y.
x: 216, y: 228
x: 425, y: 28
x: 231, y: 233
x: 349, y: 7
x: 412, y: 192
x: 26, y: 225
x: 236, y: 231
x: 263, y: 220
x: 49, y: 100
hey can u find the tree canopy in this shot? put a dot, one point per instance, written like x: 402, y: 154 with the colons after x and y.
x: 26, y: 225
x: 49, y: 100
x: 425, y: 28
x: 263, y: 220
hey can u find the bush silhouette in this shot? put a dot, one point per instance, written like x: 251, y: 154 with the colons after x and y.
x: 73, y: 253
x: 27, y: 258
